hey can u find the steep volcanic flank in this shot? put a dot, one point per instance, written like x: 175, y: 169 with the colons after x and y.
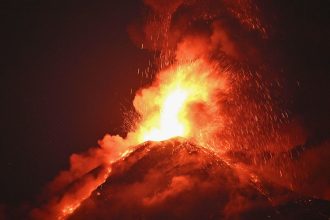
x: 176, y: 179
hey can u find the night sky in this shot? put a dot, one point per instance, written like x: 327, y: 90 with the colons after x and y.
x: 68, y: 69
x: 66, y: 77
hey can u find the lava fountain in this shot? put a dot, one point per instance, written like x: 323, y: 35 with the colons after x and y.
x: 167, y: 106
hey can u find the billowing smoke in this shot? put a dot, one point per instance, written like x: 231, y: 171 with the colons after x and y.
x: 245, y: 117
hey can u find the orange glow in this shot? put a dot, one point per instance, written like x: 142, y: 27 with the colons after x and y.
x: 165, y: 106
x: 170, y: 122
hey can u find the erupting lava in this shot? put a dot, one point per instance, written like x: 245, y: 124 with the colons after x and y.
x: 170, y: 122
x: 166, y: 107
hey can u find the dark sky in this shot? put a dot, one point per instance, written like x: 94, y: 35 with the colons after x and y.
x: 67, y: 70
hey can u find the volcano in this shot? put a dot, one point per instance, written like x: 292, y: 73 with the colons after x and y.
x: 176, y: 179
